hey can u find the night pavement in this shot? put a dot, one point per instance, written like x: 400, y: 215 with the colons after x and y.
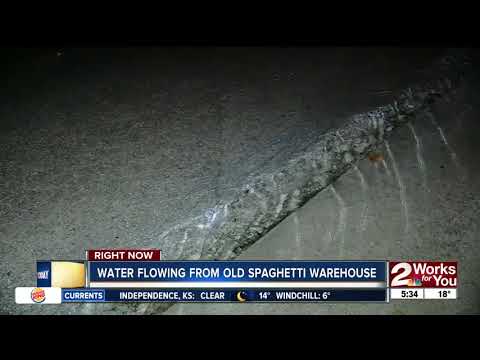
x: 421, y: 202
x: 114, y: 147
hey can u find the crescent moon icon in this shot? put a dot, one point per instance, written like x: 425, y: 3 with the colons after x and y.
x: 240, y: 298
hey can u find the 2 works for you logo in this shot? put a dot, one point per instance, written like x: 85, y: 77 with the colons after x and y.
x: 425, y: 274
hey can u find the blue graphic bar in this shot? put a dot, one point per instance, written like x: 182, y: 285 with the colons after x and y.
x: 236, y: 271
x: 83, y: 295
x: 223, y: 295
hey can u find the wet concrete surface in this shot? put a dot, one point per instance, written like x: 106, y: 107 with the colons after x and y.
x: 418, y: 200
x: 111, y: 148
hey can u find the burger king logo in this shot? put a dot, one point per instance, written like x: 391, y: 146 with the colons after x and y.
x: 38, y: 295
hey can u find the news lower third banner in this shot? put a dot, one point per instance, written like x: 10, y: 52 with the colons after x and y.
x: 126, y: 275
x: 237, y: 274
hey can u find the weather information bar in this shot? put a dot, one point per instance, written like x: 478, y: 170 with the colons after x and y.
x: 90, y: 295
x: 234, y: 295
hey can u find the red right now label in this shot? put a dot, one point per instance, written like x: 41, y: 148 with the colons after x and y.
x: 423, y: 274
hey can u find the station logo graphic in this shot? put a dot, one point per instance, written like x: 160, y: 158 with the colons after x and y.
x: 425, y: 274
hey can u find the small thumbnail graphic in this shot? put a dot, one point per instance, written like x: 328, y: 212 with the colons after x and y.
x: 38, y: 295
x: 62, y: 274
